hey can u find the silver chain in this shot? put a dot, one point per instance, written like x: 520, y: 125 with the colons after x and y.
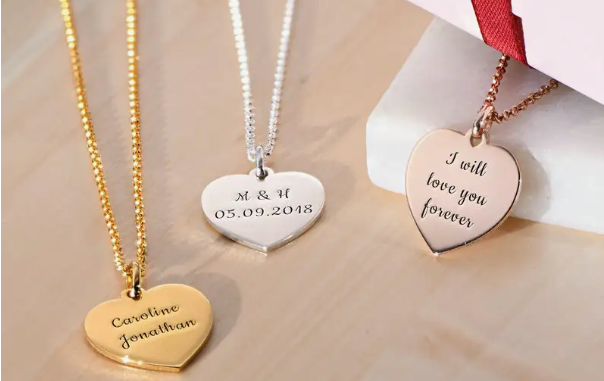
x: 246, y: 86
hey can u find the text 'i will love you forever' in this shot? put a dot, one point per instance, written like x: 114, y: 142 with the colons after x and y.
x: 463, y: 196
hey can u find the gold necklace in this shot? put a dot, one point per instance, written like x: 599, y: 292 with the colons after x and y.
x: 460, y: 187
x: 161, y: 328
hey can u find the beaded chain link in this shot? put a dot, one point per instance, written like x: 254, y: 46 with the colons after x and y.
x: 91, y: 141
x: 246, y: 86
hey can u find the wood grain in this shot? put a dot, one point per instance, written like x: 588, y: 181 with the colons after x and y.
x: 356, y: 298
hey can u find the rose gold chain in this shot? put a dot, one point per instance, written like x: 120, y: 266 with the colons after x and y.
x: 523, y: 104
x: 91, y: 142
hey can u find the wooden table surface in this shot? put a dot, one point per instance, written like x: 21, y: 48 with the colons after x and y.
x: 355, y: 298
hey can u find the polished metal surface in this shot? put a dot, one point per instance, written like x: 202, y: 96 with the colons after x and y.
x: 457, y: 191
x: 161, y: 330
x: 263, y: 213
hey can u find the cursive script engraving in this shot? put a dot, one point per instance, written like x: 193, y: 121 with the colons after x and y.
x: 431, y: 209
x: 263, y: 214
x: 262, y: 195
x: 445, y: 214
x: 476, y: 167
x: 459, y: 188
x: 283, y: 193
x: 472, y: 197
x: 151, y: 312
x: 242, y: 196
x: 161, y: 329
x: 443, y: 186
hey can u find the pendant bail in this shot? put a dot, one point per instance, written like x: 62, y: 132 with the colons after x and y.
x: 483, y: 123
x: 134, y: 280
x: 261, y: 171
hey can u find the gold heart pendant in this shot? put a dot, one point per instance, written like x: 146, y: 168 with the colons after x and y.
x: 457, y: 191
x: 162, y: 330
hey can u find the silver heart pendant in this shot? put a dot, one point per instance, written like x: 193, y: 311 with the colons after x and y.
x: 457, y: 191
x: 263, y: 213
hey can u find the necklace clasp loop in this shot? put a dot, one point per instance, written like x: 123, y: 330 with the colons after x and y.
x: 134, y: 280
x: 261, y: 171
x: 483, y: 123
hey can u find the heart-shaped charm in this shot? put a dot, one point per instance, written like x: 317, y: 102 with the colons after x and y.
x: 263, y: 214
x: 162, y: 330
x: 457, y: 191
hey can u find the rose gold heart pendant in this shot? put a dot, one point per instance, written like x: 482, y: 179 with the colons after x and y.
x: 459, y: 191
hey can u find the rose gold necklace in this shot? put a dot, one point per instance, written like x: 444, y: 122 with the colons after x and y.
x: 460, y: 187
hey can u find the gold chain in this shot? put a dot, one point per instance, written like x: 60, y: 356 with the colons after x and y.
x: 91, y: 142
x: 523, y: 104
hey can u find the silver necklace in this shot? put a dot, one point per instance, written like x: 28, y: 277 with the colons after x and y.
x: 263, y: 210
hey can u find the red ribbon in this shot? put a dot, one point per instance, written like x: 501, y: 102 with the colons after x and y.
x: 500, y: 28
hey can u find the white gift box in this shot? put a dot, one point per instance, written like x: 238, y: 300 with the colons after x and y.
x: 558, y: 142
x: 563, y: 39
